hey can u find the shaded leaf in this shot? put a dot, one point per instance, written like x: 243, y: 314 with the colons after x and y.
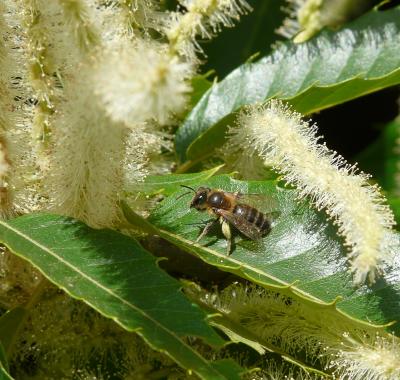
x: 330, y: 69
x: 391, y: 151
x: 9, y: 326
x: 113, y: 274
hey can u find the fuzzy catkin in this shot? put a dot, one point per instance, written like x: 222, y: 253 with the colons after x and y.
x: 203, y: 18
x: 308, y: 17
x: 86, y: 170
x: 145, y: 83
x: 291, y: 146
x: 17, y: 99
x: 5, y: 120
x: 77, y: 19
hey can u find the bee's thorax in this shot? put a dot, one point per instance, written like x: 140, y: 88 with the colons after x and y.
x: 217, y: 199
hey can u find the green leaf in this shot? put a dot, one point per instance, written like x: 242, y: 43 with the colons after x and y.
x: 391, y: 151
x: 113, y: 274
x: 330, y: 69
x: 4, y: 375
x: 394, y: 204
x: 200, y: 84
x: 302, y: 255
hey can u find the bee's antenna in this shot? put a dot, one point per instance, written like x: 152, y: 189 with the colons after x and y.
x: 188, y: 187
x: 182, y: 195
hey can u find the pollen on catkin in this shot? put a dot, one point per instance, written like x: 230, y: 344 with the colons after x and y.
x: 291, y: 146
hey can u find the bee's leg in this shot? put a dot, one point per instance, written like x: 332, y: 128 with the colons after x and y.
x: 206, y: 229
x: 226, y: 230
x: 238, y: 195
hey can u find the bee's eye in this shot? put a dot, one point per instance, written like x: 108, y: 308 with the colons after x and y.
x: 199, y: 200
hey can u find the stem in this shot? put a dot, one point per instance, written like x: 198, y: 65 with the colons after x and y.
x: 189, y: 164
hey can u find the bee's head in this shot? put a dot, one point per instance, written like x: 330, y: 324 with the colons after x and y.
x: 199, y: 201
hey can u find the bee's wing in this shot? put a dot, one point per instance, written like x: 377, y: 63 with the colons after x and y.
x: 246, y: 228
x: 262, y: 202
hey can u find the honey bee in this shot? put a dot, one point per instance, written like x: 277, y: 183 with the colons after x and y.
x: 228, y: 209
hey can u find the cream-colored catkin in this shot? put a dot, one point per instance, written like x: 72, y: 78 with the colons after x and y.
x: 92, y: 142
x: 151, y: 81
x: 86, y: 165
x: 307, y: 17
x: 5, y: 120
x: 141, y: 14
x: 78, y: 21
x: 144, y: 83
x: 203, y: 18
x: 276, y: 319
x: 290, y: 145
x: 42, y: 76
x: 17, y: 101
x: 88, y: 149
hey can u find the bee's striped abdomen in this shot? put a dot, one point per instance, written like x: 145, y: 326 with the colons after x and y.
x: 253, y: 216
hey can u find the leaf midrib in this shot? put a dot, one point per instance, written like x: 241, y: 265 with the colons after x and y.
x: 90, y: 279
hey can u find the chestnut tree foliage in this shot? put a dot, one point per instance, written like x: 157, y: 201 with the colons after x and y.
x: 108, y: 107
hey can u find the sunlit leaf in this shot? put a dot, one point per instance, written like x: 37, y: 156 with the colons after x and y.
x: 302, y: 255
